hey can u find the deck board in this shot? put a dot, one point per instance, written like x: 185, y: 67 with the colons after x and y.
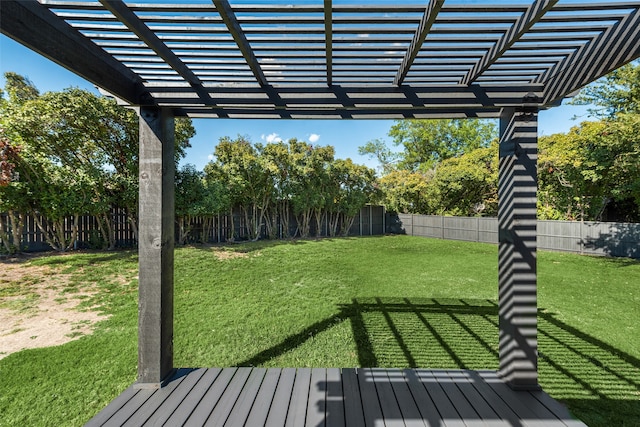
x: 209, y: 400
x: 350, y: 397
x: 281, y: 399
x: 353, y: 412
x: 230, y: 396
x: 409, y: 409
x: 369, y: 397
x: 388, y: 402
x: 246, y: 399
x: 184, y: 409
x: 299, y: 398
x: 317, y: 398
x: 446, y: 409
x: 334, y: 405
x: 260, y: 410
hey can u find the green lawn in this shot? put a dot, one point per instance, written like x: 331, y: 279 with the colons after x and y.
x: 393, y: 301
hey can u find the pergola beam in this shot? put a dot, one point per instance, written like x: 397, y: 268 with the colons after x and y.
x: 428, y: 18
x: 533, y: 14
x: 594, y: 60
x: 32, y: 25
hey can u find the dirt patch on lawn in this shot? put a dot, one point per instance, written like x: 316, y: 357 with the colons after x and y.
x: 222, y: 254
x: 37, y: 308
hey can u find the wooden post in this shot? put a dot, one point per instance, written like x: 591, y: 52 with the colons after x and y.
x: 517, y: 224
x: 156, y: 242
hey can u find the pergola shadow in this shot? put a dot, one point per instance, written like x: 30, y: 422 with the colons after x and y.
x: 462, y: 334
x: 423, y: 361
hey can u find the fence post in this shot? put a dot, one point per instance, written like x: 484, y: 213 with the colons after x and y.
x: 384, y: 220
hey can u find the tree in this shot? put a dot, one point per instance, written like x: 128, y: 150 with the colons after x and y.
x: 308, y: 182
x: 428, y: 142
x: 595, y: 165
x: 87, y: 140
x: 11, y: 194
x: 239, y: 164
x: 278, y: 160
x: 616, y: 93
x: 190, y: 191
x: 468, y: 185
x: 379, y: 150
x: 353, y: 186
x: 19, y: 89
x: 404, y: 191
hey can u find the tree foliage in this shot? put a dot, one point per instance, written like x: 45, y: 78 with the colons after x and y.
x: 616, y: 93
x: 428, y: 142
x: 447, y: 167
x: 594, y: 166
x: 75, y: 153
x: 280, y: 179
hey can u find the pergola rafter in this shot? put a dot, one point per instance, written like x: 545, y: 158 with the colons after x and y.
x: 328, y: 40
x: 149, y: 37
x: 533, y: 14
x: 215, y: 50
x: 428, y: 18
x: 229, y: 18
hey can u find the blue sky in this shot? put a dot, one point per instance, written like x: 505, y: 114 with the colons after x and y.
x: 345, y: 135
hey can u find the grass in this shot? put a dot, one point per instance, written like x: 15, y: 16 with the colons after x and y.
x: 394, y: 301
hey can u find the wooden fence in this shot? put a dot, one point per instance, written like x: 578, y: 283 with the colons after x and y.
x: 216, y: 229
x: 592, y: 238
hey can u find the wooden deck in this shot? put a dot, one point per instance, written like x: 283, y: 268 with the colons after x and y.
x: 333, y: 397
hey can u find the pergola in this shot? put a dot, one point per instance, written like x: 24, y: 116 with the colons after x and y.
x: 340, y: 59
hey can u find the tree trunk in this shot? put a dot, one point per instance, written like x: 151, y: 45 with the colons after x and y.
x: 284, y: 218
x: 74, y: 232
x: 232, y: 227
x: 46, y: 233
x: 319, y: 215
x: 133, y: 221
x: 4, y: 236
x: 347, y: 222
x: 17, y: 224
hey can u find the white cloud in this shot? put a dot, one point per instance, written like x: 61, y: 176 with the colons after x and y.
x: 273, y: 137
x: 210, y: 157
x: 314, y: 137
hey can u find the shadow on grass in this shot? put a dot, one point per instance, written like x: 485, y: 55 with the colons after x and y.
x: 92, y: 256
x: 599, y: 383
x: 246, y: 246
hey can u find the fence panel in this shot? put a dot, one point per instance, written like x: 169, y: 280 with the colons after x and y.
x: 488, y: 230
x: 215, y: 229
x: 562, y: 236
x: 460, y: 228
x: 593, y: 238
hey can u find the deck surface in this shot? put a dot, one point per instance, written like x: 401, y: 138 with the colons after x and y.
x: 352, y: 397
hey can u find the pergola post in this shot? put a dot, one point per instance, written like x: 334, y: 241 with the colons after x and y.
x: 155, y: 246
x: 517, y: 223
